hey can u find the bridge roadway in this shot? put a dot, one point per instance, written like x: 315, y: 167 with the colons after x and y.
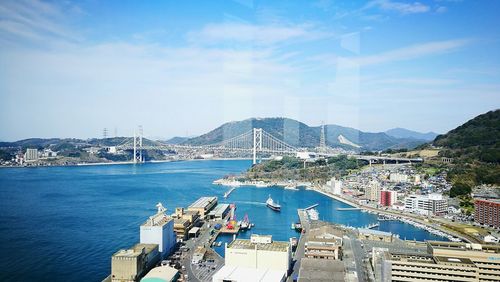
x: 370, y: 159
x: 252, y: 142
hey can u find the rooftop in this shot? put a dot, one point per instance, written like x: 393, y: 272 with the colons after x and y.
x: 374, y: 232
x: 460, y: 246
x: 275, y: 246
x: 239, y: 273
x: 455, y: 260
x: 136, y: 250
x: 158, y: 219
x: 496, y: 201
x: 203, y: 202
x: 321, y: 270
x: 219, y: 209
x: 160, y: 273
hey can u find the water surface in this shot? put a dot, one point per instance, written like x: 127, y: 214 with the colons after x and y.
x: 64, y: 223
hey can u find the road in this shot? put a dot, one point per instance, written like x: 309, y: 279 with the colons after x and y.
x: 207, y: 269
x: 358, y: 254
x: 299, y: 251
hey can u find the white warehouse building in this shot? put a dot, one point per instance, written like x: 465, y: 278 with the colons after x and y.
x: 258, y: 257
x: 159, y: 229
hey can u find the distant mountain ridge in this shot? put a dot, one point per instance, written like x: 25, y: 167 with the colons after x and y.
x: 176, y: 140
x: 299, y: 134
x: 406, y: 133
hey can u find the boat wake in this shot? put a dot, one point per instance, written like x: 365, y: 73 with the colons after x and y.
x: 250, y: 203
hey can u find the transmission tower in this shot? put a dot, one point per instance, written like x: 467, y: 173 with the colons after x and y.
x: 322, y: 139
x: 138, y: 145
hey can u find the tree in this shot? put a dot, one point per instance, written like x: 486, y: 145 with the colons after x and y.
x: 460, y: 189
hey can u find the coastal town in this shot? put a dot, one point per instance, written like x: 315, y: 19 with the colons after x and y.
x: 181, y: 246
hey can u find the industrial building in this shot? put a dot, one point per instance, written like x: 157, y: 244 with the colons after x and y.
x: 321, y: 270
x: 430, y: 204
x: 219, y: 212
x: 203, y: 205
x: 444, y: 261
x: 485, y: 256
x: 184, y: 220
x: 424, y: 267
x: 324, y: 242
x: 260, y: 252
x: 130, y: 265
x: 375, y: 235
x: 159, y: 229
x: 487, y: 212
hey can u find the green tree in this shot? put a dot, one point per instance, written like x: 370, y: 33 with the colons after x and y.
x: 460, y: 189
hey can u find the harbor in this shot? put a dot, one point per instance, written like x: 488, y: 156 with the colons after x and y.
x: 149, y: 184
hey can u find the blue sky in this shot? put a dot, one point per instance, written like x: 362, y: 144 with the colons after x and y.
x: 72, y: 68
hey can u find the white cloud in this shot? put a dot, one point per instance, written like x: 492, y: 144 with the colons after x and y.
x: 399, y: 7
x: 441, y: 9
x: 411, y: 52
x: 33, y: 20
x: 255, y: 34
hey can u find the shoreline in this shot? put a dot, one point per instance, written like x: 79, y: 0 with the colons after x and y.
x: 398, y: 216
x: 124, y: 163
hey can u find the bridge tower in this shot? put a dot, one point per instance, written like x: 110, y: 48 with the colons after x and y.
x: 138, y: 145
x: 322, y: 139
x: 257, y: 143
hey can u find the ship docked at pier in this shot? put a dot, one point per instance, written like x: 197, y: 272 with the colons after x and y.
x: 272, y: 205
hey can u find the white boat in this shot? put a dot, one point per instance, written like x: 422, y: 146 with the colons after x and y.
x: 245, y: 223
x: 272, y: 205
x: 291, y: 187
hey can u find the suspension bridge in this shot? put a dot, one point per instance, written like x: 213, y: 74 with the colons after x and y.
x: 255, y: 142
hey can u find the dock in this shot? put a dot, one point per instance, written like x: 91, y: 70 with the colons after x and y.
x: 311, y: 207
x: 300, y: 250
x: 371, y: 226
x: 225, y: 230
x: 348, y: 209
x: 229, y: 192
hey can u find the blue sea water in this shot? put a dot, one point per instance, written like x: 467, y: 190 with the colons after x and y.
x: 64, y: 223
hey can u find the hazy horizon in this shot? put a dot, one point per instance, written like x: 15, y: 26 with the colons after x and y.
x: 129, y: 134
x: 70, y: 69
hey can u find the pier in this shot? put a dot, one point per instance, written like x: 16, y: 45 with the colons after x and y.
x: 311, y: 207
x: 229, y: 192
x: 348, y: 209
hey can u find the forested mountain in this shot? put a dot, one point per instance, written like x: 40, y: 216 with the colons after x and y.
x: 299, y: 134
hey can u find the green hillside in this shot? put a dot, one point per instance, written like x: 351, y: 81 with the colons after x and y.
x: 476, y: 140
x: 475, y: 150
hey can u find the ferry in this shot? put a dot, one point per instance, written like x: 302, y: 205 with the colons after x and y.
x: 272, y: 205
